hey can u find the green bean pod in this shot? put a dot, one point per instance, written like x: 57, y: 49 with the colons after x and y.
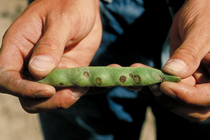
x: 107, y: 77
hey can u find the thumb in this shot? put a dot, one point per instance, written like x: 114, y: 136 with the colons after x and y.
x: 186, y: 59
x: 48, y: 51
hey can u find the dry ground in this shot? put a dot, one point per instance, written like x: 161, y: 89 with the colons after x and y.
x: 16, y: 124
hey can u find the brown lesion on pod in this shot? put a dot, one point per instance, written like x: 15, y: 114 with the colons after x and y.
x: 86, y: 74
x: 61, y: 84
x: 98, y: 81
x: 137, y: 79
x: 122, y: 79
x: 131, y: 75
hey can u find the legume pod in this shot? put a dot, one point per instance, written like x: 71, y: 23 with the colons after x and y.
x: 107, y: 77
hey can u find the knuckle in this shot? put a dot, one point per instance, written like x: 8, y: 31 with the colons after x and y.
x: 190, y: 52
x: 66, y: 101
x: 49, y: 43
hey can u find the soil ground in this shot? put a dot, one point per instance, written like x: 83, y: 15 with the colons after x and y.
x: 15, y: 123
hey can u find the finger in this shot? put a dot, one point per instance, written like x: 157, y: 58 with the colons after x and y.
x: 63, y: 99
x: 138, y: 65
x: 201, y: 75
x: 50, y: 48
x: 186, y: 59
x: 193, y: 95
x: 192, y: 113
x: 16, y: 47
x: 114, y: 65
x: 14, y: 83
x: 156, y: 89
x: 18, y: 42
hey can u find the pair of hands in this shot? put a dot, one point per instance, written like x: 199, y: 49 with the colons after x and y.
x: 53, y: 34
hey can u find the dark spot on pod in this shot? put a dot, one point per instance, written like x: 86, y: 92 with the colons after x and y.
x: 137, y: 79
x: 61, y: 84
x: 86, y: 74
x: 122, y: 79
x: 131, y: 75
x: 98, y: 81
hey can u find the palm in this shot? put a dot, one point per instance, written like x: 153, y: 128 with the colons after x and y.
x: 82, y: 53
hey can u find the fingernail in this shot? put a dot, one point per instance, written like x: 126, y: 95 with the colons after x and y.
x: 175, y: 66
x: 155, y: 90
x: 168, y: 92
x: 43, y: 95
x: 76, y: 95
x: 78, y: 92
x: 42, y: 62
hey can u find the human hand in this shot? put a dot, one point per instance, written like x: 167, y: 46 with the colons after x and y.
x: 49, y: 34
x: 190, y: 60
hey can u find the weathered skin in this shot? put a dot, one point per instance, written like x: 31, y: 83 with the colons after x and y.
x: 106, y: 77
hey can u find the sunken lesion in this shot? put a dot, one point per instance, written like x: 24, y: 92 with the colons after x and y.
x: 86, y: 74
x: 137, y: 79
x: 61, y: 84
x: 122, y: 79
x: 131, y: 75
x: 98, y: 81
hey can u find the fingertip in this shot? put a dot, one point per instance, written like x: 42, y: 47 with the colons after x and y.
x: 41, y: 65
x: 46, y: 92
x: 78, y: 92
x: 186, y: 59
x: 175, y: 67
x: 63, y: 99
x: 114, y: 65
x: 155, y: 90
x: 138, y: 65
x: 167, y: 89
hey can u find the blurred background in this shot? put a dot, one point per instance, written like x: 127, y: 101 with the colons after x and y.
x: 15, y: 123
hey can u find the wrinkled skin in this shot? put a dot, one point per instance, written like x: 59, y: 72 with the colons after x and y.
x: 49, y: 34
x: 56, y: 34
x: 190, y: 46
